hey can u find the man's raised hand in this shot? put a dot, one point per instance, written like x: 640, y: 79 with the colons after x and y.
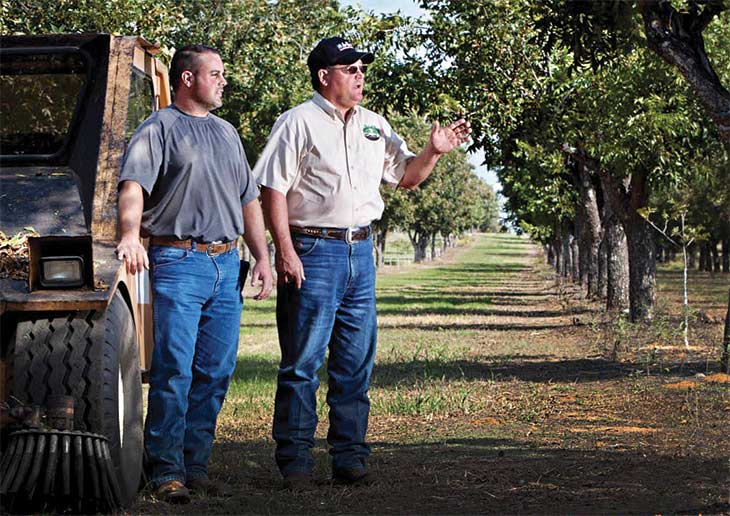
x: 445, y: 139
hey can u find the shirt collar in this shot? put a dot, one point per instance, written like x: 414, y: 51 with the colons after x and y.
x: 326, y: 106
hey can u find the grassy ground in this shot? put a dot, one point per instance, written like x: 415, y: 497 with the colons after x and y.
x: 497, y: 390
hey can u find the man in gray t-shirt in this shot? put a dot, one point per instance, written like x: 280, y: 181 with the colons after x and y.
x: 202, y: 181
x: 187, y: 185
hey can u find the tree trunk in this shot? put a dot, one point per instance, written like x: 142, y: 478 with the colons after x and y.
x: 725, y: 361
x: 677, y: 38
x: 642, y: 268
x: 567, y: 256
x: 726, y: 255
x: 617, y: 270
x: 419, y: 241
x: 617, y: 253
x: 550, y: 254
x: 691, y: 256
x: 575, y: 260
x: 708, y: 257
x: 591, y: 230
x: 588, y: 217
x: 558, y: 248
x: 627, y: 197
x: 433, y: 246
x: 715, y: 255
x: 272, y: 255
x: 602, y: 285
x: 381, y: 235
x: 581, y: 266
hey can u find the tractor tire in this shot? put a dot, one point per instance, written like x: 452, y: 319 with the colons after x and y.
x: 93, y: 357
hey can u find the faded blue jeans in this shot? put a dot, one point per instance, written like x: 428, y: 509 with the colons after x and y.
x: 334, y: 309
x: 197, y: 315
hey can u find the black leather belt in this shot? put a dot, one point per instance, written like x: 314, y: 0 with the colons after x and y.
x: 349, y: 235
x: 202, y: 247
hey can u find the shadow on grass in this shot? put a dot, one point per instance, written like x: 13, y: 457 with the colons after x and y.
x: 442, y: 295
x: 394, y: 307
x: 441, y: 326
x: 524, y: 368
x: 528, y: 368
x: 454, y: 326
x: 470, y: 475
x: 253, y: 368
x: 450, y: 271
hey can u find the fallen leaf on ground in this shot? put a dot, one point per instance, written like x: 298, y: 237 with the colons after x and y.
x: 684, y: 384
x: 718, y: 378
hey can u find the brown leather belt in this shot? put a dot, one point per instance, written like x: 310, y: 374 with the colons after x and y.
x: 201, y: 247
x: 349, y: 235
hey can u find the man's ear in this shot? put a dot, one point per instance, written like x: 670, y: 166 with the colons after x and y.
x: 322, y: 74
x: 187, y: 78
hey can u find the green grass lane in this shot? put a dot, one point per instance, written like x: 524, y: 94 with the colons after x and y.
x: 426, y: 333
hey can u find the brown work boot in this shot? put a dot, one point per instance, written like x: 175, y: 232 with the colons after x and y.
x: 352, y: 477
x: 172, y: 491
x: 299, y: 481
x: 208, y: 487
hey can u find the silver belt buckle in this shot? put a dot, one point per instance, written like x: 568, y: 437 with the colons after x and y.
x: 209, y: 248
x: 348, y: 234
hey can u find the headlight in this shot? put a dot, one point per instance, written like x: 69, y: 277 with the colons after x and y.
x: 60, y: 262
x: 62, y: 271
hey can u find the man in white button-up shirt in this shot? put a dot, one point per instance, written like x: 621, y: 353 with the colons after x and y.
x: 320, y: 174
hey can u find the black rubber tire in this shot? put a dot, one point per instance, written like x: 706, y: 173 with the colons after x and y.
x: 85, y: 355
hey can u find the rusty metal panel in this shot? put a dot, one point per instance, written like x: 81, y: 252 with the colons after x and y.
x: 17, y: 298
x: 140, y: 293
x: 111, y: 151
x: 162, y: 84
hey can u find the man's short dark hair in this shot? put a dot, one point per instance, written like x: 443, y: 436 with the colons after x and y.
x: 314, y: 78
x: 186, y: 58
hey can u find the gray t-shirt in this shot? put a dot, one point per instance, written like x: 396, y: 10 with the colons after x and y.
x: 195, y: 173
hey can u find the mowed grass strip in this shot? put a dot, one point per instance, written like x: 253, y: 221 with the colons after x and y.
x: 432, y: 318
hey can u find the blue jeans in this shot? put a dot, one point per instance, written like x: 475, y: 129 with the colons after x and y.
x: 334, y: 309
x: 197, y: 315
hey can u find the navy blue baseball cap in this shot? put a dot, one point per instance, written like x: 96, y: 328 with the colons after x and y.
x: 335, y: 51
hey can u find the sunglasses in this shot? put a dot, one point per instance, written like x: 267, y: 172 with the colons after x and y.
x: 351, y: 69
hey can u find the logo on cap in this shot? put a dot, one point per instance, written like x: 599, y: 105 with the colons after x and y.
x: 371, y: 132
x: 343, y: 46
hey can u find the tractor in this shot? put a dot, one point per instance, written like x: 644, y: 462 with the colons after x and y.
x: 76, y: 328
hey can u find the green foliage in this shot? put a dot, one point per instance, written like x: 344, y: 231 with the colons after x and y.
x: 627, y: 109
x: 156, y: 21
x: 529, y: 76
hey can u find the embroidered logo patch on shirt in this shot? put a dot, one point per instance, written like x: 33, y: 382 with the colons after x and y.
x: 371, y: 132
